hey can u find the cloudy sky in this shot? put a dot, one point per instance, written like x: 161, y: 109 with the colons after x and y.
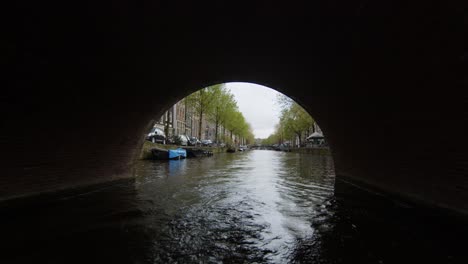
x: 258, y: 105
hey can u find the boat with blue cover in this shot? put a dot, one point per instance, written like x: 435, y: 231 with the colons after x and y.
x: 164, y: 154
x: 178, y: 153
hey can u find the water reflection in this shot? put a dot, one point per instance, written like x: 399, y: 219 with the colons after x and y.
x: 176, y: 167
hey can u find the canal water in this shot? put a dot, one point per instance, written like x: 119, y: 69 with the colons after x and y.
x: 257, y: 206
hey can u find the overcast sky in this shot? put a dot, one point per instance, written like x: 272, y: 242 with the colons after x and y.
x: 258, y: 105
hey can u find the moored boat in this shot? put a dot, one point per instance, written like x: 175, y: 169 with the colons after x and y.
x: 178, y: 153
x: 196, y: 153
x: 160, y: 154
x: 164, y: 154
x: 231, y: 150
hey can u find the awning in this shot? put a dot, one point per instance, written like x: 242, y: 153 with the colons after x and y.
x: 315, y: 135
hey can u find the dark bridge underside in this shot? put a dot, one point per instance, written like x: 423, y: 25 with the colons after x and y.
x: 386, y: 81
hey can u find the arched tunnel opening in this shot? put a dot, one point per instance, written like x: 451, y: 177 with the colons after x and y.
x: 385, y: 80
x: 234, y: 114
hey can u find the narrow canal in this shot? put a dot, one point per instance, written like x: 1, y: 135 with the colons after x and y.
x: 254, y: 207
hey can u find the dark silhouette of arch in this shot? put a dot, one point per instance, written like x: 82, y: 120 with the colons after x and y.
x: 386, y: 81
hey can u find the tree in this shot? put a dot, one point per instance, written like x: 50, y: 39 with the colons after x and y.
x: 223, y: 105
x: 233, y: 122
x: 283, y: 101
x: 201, y: 101
x: 294, y: 121
x: 219, y: 106
x: 270, y: 140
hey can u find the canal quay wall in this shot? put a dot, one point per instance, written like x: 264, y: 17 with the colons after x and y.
x: 145, y: 153
x: 319, y: 151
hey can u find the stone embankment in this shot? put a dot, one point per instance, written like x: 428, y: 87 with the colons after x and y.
x: 147, y: 146
x: 314, y: 150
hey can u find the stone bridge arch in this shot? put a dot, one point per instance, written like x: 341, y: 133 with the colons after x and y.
x: 385, y: 80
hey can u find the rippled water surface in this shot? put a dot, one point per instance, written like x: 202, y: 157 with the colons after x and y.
x: 253, y: 207
x: 246, y: 206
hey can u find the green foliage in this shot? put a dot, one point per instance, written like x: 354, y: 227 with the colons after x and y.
x: 272, y: 139
x: 294, y: 122
x: 223, y: 106
x: 202, y: 102
x: 218, y: 105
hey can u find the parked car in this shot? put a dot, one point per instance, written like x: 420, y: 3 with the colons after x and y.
x: 194, y: 141
x: 207, y: 142
x: 182, y: 140
x: 156, y: 135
